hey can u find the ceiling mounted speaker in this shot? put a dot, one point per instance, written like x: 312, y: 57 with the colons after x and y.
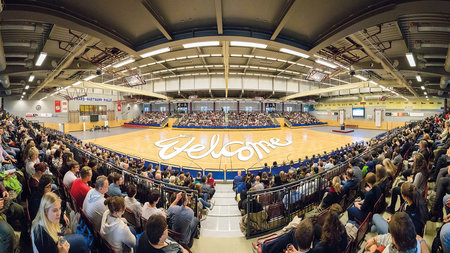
x: 54, y: 63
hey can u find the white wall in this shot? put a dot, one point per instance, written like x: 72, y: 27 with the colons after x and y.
x: 22, y: 107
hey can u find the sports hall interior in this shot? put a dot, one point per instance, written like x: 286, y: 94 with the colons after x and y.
x: 249, y: 126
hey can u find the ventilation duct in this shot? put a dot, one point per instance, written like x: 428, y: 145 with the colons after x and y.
x: 423, y: 65
x: 447, y: 61
x: 373, y: 97
x: 31, y: 44
x: 418, y: 45
x: 4, y: 79
x: 16, y: 55
x: 342, y: 99
x: 444, y: 82
x: 30, y: 28
x: 414, y: 28
x: 423, y: 57
x: 8, y: 92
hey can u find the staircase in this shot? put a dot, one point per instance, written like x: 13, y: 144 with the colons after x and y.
x: 223, y: 220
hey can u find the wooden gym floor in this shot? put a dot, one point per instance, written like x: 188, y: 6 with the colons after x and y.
x: 305, y: 141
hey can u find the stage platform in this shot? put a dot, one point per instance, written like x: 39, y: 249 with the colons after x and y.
x: 343, y: 131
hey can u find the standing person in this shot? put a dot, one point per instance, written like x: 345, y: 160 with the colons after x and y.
x: 113, y: 227
x: 237, y: 179
x: 45, y: 230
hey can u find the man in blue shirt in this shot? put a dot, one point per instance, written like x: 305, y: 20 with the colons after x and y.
x: 349, y: 181
x: 114, y: 188
x: 237, y: 179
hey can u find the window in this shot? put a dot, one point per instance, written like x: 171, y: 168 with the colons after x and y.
x: 163, y: 109
x: 204, y: 108
x: 289, y: 109
x: 249, y: 109
x: 86, y: 110
x: 226, y: 109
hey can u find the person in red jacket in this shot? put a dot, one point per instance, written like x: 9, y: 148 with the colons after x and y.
x: 211, y: 180
x: 80, y: 186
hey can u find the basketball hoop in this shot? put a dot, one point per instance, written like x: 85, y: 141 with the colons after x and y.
x: 77, y: 93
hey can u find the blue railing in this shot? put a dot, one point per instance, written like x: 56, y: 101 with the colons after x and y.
x: 147, y: 125
x: 313, y: 124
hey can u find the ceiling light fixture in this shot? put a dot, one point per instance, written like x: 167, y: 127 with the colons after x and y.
x: 372, y: 82
x: 419, y: 78
x: 410, y: 58
x: 125, y: 62
x: 76, y: 83
x: 361, y: 77
x: 41, y: 58
x: 422, y: 87
x: 24, y: 93
x: 247, y: 44
x: 155, y: 52
x: 425, y: 93
x: 31, y: 78
x: 27, y: 87
x: 328, y: 64
x: 90, y: 77
x: 201, y: 44
x: 288, y: 51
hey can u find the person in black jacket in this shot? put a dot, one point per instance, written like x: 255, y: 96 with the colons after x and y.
x: 362, y: 208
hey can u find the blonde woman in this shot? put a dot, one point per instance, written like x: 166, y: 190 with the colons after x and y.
x: 390, y: 167
x: 333, y: 195
x: 46, y: 232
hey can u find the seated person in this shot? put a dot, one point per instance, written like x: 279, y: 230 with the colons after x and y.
x: 45, y: 185
x: 33, y: 182
x: 132, y: 204
x: 93, y: 205
x: 299, y: 238
x: 71, y: 175
x: 208, y: 191
x: 362, y: 208
x: 114, y: 229
x: 401, y: 238
x: 149, y: 208
x: 334, y: 237
x: 349, y: 182
x: 114, y: 188
x: 7, y: 235
x: 46, y: 232
x: 156, y: 238
x: 182, y: 219
x: 415, y: 207
x: 80, y: 186
x: 333, y: 195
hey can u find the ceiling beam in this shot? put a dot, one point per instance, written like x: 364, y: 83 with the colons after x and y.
x: 64, y: 64
x: 284, y: 19
x: 326, y: 90
x: 226, y: 63
x: 104, y: 86
x: 45, y: 12
x: 384, y: 63
x: 218, y: 5
x: 154, y: 17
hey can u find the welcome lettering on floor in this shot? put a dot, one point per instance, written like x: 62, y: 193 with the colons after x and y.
x: 244, y: 153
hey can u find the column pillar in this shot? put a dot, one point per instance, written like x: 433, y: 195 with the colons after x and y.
x: 238, y: 106
x: 151, y: 108
x: 190, y: 107
x: 169, y: 107
x: 262, y: 105
x: 282, y: 108
x: 214, y: 106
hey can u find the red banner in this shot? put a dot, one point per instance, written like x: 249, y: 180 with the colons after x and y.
x: 119, y: 107
x: 57, y: 105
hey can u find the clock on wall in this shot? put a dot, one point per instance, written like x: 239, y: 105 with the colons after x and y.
x: 38, y: 107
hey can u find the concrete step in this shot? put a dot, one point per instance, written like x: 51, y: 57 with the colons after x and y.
x: 225, y: 211
x: 224, y: 195
x: 225, y: 202
x: 221, y: 227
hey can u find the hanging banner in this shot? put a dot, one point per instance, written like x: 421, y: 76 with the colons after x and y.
x: 64, y: 106
x: 119, y: 107
x: 57, y: 105
x: 341, y: 117
x: 378, y: 118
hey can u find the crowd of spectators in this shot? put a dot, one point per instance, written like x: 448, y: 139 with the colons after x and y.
x: 238, y: 119
x: 403, y: 164
x: 298, y: 118
x: 204, y: 119
x: 151, y: 118
x: 48, y: 174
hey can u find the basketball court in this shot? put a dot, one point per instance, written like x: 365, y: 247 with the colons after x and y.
x: 225, y: 149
